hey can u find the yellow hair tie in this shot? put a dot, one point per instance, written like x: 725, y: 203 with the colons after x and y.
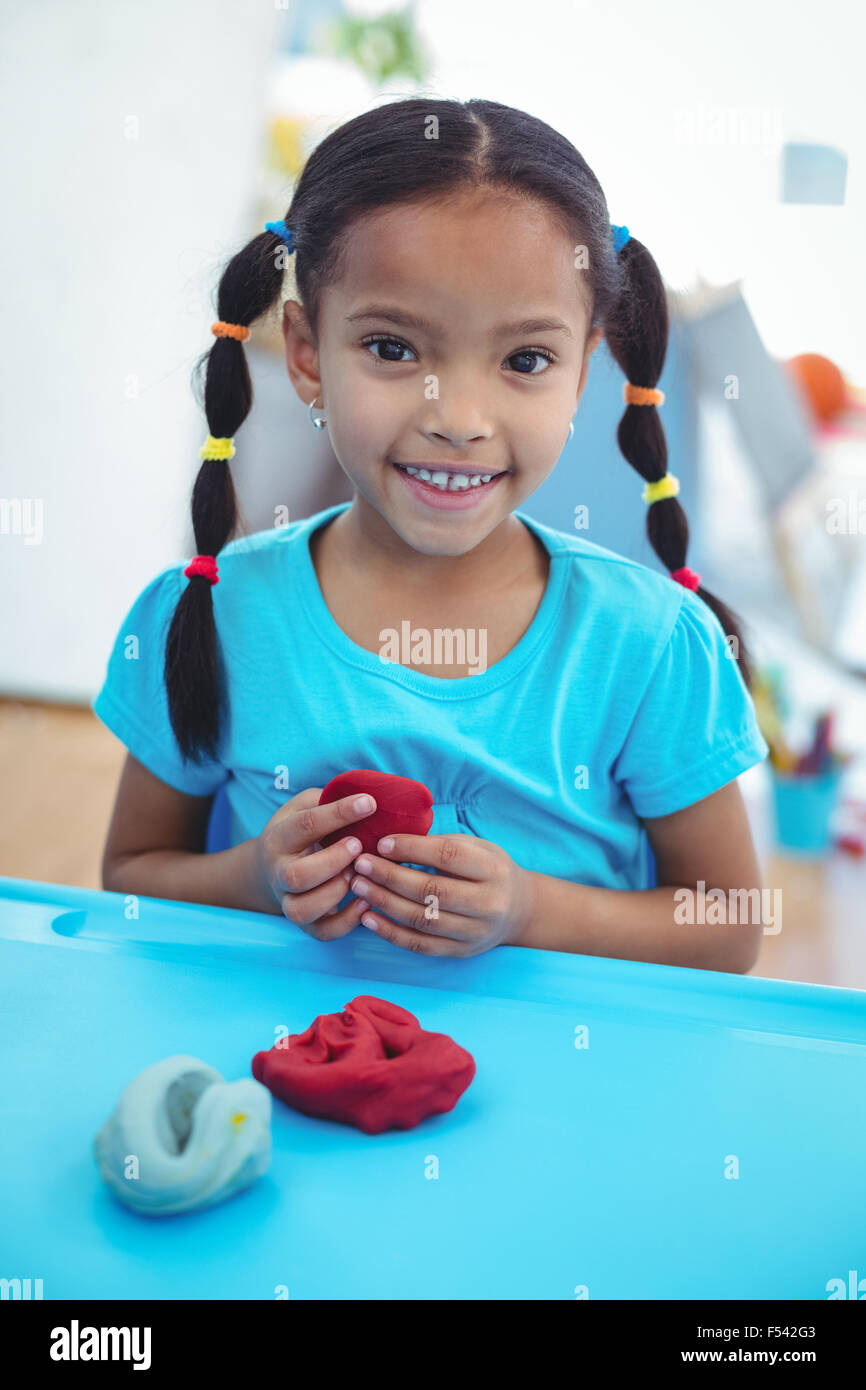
x: 217, y: 448
x: 642, y: 395
x: 668, y: 486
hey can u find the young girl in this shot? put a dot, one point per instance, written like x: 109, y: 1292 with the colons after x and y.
x: 454, y: 269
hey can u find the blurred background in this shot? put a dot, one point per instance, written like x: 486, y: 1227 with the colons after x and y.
x: 142, y: 144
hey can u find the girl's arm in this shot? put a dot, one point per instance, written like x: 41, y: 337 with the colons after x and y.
x: 709, y: 841
x: 156, y: 843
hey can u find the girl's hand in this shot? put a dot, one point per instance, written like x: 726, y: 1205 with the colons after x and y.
x: 308, y: 882
x: 480, y: 899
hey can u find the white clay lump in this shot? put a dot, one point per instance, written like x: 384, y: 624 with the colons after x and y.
x: 181, y: 1136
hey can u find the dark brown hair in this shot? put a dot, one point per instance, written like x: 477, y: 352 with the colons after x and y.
x: 387, y: 156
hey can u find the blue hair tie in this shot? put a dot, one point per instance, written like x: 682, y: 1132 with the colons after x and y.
x: 620, y: 236
x: 283, y: 232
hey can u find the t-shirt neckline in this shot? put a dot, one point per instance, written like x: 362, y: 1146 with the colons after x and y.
x: 326, y: 628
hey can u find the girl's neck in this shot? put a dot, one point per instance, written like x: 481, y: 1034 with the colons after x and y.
x: 361, y: 542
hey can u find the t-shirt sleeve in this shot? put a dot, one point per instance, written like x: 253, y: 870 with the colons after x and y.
x: 695, y: 728
x: 133, y: 702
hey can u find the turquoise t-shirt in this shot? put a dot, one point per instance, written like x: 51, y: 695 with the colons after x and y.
x: 620, y: 701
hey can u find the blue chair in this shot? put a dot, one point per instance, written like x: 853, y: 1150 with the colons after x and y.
x: 219, y: 823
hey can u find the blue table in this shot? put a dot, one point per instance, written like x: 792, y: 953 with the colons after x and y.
x: 562, y: 1167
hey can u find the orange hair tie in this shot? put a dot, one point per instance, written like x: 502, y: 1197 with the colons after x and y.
x: 230, y: 330
x: 642, y: 395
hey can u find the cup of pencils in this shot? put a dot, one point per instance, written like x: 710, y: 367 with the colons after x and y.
x: 806, y: 785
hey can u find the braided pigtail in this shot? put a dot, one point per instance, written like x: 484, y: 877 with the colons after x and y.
x: 636, y: 329
x: 193, y: 677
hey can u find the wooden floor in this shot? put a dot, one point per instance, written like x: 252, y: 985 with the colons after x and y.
x: 60, y: 768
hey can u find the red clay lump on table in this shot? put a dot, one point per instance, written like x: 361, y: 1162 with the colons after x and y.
x: 372, y: 1066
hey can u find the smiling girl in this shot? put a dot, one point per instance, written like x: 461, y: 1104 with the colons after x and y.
x: 445, y: 271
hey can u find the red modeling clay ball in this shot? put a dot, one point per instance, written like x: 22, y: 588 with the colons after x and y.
x: 402, y: 806
x: 372, y: 1066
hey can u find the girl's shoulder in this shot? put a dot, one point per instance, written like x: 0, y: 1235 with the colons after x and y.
x: 640, y: 609
x: 571, y: 543
x: 609, y: 577
x: 244, y: 552
x: 249, y: 557
x: 253, y: 571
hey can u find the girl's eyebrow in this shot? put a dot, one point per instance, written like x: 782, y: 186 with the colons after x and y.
x: 403, y: 319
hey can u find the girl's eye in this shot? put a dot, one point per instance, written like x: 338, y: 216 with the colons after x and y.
x: 393, y: 350
x: 526, y: 354
x: 387, y: 342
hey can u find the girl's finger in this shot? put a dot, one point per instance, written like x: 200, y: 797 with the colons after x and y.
x: 308, y: 824
x: 344, y: 921
x: 303, y: 872
x: 453, y: 895
x: 306, y: 908
x: 462, y: 856
x: 424, y: 919
x: 421, y: 943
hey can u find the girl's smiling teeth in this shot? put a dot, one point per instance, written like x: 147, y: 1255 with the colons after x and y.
x: 446, y: 481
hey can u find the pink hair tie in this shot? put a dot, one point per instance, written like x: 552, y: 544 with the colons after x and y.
x: 205, y: 565
x: 686, y: 577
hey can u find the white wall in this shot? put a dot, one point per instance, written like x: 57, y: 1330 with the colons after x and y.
x: 109, y: 247
x: 680, y: 108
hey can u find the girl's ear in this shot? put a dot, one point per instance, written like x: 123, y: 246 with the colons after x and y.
x: 592, y: 342
x: 590, y: 346
x: 302, y: 358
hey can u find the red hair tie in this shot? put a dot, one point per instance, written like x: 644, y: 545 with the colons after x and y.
x: 205, y: 565
x: 686, y: 577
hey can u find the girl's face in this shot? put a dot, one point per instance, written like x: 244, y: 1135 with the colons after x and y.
x: 455, y: 342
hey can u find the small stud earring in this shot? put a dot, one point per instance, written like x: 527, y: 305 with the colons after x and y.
x: 320, y: 420
x: 571, y: 429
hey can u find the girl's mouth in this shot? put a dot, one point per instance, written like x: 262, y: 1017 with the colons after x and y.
x: 445, y: 489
